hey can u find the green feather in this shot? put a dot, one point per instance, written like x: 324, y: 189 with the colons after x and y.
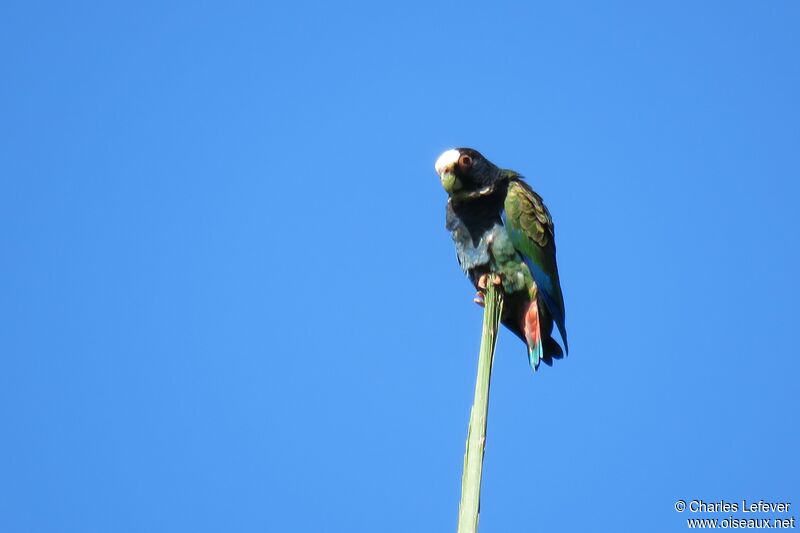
x: 532, y: 233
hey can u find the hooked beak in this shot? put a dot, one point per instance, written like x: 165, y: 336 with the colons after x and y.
x: 445, y: 168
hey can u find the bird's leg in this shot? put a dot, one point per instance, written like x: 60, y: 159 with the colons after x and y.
x: 483, y: 282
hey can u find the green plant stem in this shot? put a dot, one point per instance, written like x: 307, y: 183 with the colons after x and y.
x: 476, y: 435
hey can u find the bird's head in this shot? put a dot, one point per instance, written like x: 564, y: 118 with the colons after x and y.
x: 466, y: 173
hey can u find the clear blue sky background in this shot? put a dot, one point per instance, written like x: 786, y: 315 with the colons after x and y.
x: 229, y: 302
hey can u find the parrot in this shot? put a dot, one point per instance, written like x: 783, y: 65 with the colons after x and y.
x: 501, y: 227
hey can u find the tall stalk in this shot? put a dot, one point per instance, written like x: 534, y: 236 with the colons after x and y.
x: 476, y: 436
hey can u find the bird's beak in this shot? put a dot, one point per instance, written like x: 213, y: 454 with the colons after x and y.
x: 449, y: 181
x: 445, y: 167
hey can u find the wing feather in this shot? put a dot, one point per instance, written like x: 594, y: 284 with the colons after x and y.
x: 532, y: 232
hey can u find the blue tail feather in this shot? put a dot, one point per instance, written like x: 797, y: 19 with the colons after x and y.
x: 535, y: 355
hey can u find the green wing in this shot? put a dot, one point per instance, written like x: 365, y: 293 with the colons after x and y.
x: 531, y: 230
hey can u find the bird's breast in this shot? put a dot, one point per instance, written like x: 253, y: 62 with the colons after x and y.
x: 474, y: 254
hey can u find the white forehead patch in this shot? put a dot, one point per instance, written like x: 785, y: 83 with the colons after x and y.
x: 447, y: 159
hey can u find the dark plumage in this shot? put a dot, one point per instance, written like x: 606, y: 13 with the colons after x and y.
x: 500, y: 225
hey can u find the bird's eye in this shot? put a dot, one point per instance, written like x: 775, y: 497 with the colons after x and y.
x: 465, y: 161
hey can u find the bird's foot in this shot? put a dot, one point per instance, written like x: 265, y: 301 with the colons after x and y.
x: 483, y: 283
x: 479, y: 299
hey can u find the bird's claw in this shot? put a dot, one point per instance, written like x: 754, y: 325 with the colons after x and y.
x: 479, y: 299
x: 483, y: 283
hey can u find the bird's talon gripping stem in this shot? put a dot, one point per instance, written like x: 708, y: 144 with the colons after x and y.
x: 483, y: 281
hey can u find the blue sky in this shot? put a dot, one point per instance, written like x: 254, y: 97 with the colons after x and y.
x: 229, y: 302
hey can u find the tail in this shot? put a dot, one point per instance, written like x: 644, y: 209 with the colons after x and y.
x: 533, y: 334
x: 537, y: 327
